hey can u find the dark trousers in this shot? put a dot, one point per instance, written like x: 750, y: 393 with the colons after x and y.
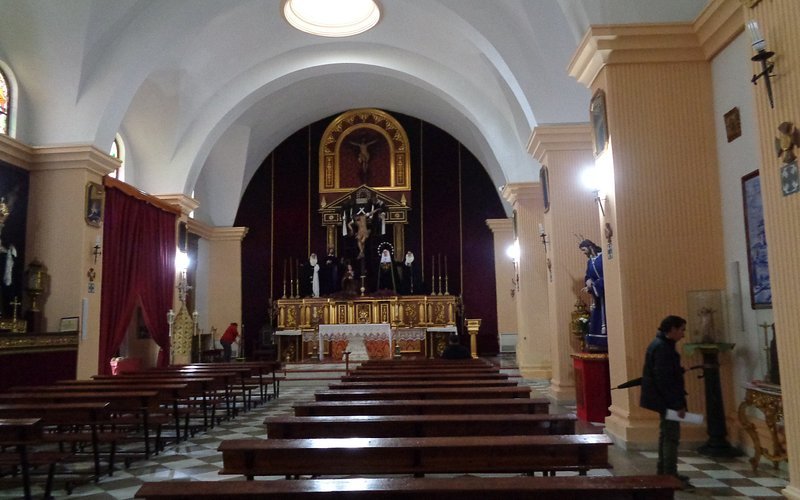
x: 226, y: 350
x: 669, y: 436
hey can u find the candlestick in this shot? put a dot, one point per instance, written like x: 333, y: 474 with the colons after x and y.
x: 445, y: 265
x: 284, y: 269
x: 433, y: 275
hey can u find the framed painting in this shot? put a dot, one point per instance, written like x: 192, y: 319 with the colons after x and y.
x: 69, y: 324
x: 95, y: 198
x: 544, y: 180
x: 755, y: 236
x: 599, y: 121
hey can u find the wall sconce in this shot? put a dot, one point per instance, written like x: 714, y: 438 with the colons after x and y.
x: 591, y: 178
x: 600, y: 201
x: 763, y: 56
x: 513, y: 253
x: 181, y: 265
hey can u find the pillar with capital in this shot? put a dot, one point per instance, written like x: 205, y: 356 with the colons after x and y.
x: 648, y: 108
x: 505, y: 279
x: 564, y: 151
x: 533, y: 340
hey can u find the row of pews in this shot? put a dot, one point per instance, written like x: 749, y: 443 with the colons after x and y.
x: 79, y: 430
x: 415, y: 418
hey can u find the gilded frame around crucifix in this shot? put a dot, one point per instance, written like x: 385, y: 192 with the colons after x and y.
x: 381, y: 125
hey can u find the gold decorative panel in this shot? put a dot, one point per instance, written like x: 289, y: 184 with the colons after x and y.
x: 363, y: 313
x: 399, y: 311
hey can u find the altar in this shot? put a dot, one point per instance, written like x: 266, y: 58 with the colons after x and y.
x: 357, y: 338
x: 416, y: 324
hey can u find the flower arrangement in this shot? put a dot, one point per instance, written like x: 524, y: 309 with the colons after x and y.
x: 581, y: 325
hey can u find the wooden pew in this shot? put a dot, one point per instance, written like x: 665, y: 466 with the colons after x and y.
x: 225, y: 386
x: 422, y: 407
x: 197, y: 395
x: 389, y: 384
x: 516, y: 391
x: 235, y: 377
x: 21, y: 434
x: 261, y: 370
x: 419, y: 456
x: 425, y: 362
x: 423, y: 376
x: 456, y: 488
x: 288, y: 427
x: 169, y: 394
x: 203, y: 390
x: 426, y: 369
x: 142, y: 406
x: 76, y: 425
x: 432, y: 372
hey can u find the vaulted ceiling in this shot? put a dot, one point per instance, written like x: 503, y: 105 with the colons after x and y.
x: 202, y: 90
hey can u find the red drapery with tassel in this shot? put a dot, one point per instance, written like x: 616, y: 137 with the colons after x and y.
x: 138, y: 268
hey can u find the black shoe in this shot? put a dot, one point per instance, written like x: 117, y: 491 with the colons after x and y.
x: 685, y: 484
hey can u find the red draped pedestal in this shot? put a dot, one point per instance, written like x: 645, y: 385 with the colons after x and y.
x: 592, y: 386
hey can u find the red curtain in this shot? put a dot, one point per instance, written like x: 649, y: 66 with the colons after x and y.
x: 138, y: 268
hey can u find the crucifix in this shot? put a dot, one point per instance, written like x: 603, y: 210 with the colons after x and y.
x: 96, y: 251
x: 14, y: 304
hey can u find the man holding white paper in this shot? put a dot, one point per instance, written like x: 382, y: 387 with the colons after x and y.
x: 663, y: 389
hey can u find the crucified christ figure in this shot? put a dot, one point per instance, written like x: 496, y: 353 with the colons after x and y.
x: 362, y: 234
x: 363, y: 156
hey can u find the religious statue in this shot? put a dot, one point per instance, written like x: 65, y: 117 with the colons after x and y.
x: 314, y: 271
x: 329, y: 277
x: 349, y: 284
x: 363, y: 157
x: 596, y: 338
x: 409, y: 281
x: 787, y: 141
x: 361, y: 233
x: 386, y: 270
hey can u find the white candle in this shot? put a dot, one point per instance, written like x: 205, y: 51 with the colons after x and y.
x: 756, y: 36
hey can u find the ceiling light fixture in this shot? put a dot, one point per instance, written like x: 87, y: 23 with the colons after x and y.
x: 332, y: 18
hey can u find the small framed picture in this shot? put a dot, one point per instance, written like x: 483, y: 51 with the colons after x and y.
x: 599, y: 121
x: 95, y: 199
x: 70, y: 324
x: 733, y: 124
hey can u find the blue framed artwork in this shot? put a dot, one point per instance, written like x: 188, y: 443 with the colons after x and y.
x: 757, y: 264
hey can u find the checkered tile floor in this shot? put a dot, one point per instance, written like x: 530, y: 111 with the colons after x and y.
x: 198, y: 459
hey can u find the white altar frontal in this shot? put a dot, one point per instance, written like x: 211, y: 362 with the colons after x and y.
x: 355, y: 335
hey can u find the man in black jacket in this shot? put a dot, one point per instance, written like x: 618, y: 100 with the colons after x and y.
x: 663, y: 389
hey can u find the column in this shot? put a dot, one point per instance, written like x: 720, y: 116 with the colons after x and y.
x: 663, y: 199
x: 504, y: 273
x: 533, y: 337
x: 219, y: 275
x: 565, y: 150
x: 186, y: 205
x: 60, y: 238
x: 778, y: 21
